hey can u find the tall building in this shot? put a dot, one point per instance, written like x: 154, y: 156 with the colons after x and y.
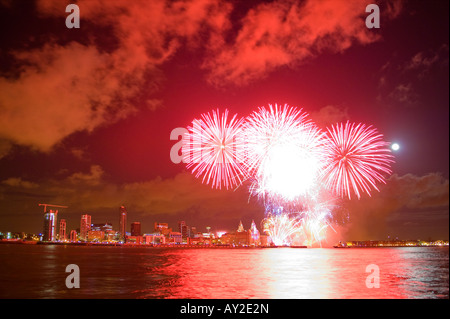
x: 62, y: 230
x: 122, y: 222
x: 183, y: 229
x: 73, y: 236
x: 50, y: 219
x: 85, y: 226
x: 136, y: 229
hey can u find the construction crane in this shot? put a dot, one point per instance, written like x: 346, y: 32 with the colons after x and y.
x: 50, y: 205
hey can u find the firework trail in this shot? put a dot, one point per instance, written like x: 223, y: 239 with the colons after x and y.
x: 357, y: 159
x: 213, y: 150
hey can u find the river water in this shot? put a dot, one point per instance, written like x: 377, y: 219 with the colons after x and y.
x: 39, y: 271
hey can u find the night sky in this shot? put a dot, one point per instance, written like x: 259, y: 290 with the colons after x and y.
x: 86, y: 114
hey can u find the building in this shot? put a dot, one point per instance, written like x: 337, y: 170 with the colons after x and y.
x: 136, y: 229
x: 244, y: 237
x: 50, y: 220
x: 101, y: 227
x: 73, y: 236
x: 95, y: 235
x: 175, y: 238
x: 62, y: 230
x: 85, y: 226
x: 137, y: 240
x: 162, y: 228
x: 122, y: 223
x: 154, y: 239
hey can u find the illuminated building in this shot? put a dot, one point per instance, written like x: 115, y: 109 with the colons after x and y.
x: 95, y: 235
x: 138, y: 240
x: 111, y: 235
x: 243, y: 237
x: 85, y: 226
x: 162, y: 228
x: 102, y: 227
x: 175, y: 237
x: 122, y: 223
x: 183, y: 229
x: 136, y: 229
x: 73, y: 236
x: 154, y: 239
x: 62, y: 230
x: 50, y: 219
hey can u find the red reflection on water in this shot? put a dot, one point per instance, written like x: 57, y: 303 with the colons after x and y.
x: 285, y: 273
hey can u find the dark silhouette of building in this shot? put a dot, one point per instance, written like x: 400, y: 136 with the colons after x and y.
x: 136, y: 229
x: 122, y: 223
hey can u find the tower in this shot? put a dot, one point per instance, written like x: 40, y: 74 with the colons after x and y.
x: 50, y: 219
x: 240, y: 227
x: 122, y: 222
x: 85, y: 226
x: 62, y: 230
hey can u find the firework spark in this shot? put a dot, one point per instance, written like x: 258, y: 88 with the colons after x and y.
x: 213, y: 150
x: 357, y: 159
x: 282, y: 227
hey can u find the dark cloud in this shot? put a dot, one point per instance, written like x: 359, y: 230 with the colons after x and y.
x: 369, y: 217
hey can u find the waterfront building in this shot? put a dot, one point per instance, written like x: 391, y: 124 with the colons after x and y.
x: 95, y: 235
x: 73, y: 236
x: 162, y: 228
x: 155, y: 238
x: 102, y: 227
x: 85, y: 226
x: 184, y: 230
x: 122, y: 223
x: 138, y: 240
x: 111, y: 235
x: 50, y: 220
x: 242, y: 237
x: 175, y: 238
x: 136, y: 229
x: 62, y: 230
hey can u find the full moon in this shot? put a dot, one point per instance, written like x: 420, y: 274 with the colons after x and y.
x: 395, y: 146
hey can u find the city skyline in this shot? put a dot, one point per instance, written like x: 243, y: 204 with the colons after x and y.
x: 92, y: 129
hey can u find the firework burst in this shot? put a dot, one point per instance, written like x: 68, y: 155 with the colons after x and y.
x: 295, y: 167
x: 213, y: 150
x: 283, y: 152
x: 357, y: 159
x: 282, y: 227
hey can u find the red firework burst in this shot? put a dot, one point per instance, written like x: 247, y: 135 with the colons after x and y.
x: 213, y: 150
x: 284, y: 152
x: 358, y: 158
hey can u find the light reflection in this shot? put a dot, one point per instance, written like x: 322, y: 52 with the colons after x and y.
x: 275, y: 273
